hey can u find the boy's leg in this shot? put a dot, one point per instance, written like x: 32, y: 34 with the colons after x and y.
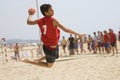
x: 43, y: 64
x: 39, y: 60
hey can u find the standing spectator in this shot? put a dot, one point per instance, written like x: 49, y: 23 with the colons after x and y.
x: 89, y: 43
x: 76, y: 43
x: 64, y: 44
x: 71, y: 44
x: 107, y: 41
x: 113, y: 41
x: 16, y: 52
x: 95, y: 43
x: 102, y: 41
x: 81, y: 45
x: 99, y: 38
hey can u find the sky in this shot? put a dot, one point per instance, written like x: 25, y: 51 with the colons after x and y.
x: 83, y: 16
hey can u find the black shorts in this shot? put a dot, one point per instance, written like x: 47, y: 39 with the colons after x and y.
x: 113, y: 44
x: 51, y: 53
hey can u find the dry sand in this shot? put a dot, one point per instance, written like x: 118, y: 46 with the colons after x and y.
x: 78, y: 67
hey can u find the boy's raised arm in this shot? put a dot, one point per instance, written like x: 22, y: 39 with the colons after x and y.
x: 30, y: 21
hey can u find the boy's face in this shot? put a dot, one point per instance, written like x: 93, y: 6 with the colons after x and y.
x: 50, y: 12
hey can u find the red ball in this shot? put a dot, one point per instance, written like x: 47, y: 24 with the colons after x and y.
x: 31, y: 11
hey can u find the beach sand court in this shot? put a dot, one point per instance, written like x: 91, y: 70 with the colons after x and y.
x: 85, y: 66
x: 77, y: 67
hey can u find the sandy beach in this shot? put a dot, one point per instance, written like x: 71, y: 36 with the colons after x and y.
x: 77, y: 67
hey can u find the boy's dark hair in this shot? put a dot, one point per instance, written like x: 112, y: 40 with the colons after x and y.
x: 44, y: 8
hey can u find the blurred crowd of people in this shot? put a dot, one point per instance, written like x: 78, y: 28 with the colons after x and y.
x: 101, y: 42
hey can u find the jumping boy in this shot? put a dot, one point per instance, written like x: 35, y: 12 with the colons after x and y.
x: 50, y: 34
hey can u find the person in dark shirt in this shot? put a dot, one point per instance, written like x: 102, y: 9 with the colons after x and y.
x: 71, y: 44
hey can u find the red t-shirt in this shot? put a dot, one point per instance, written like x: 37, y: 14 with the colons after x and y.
x: 106, y: 39
x: 49, y: 33
x: 112, y: 37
